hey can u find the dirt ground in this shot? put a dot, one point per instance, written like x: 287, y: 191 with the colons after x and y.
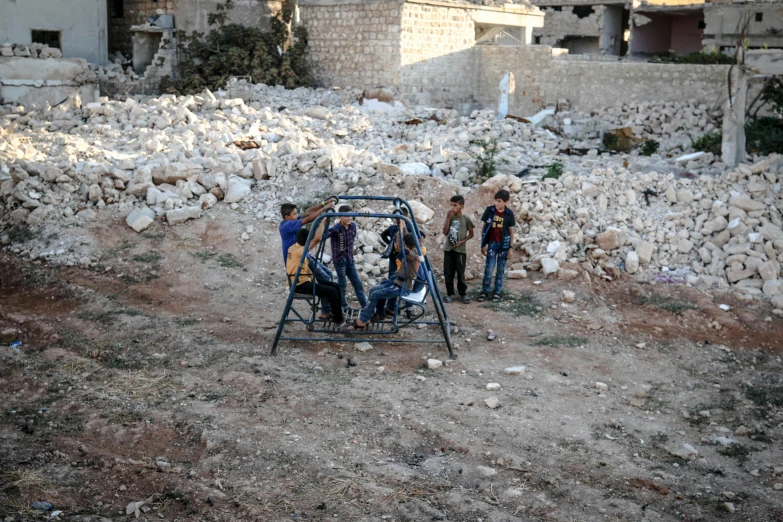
x: 148, y: 379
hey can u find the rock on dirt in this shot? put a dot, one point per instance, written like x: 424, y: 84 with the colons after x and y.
x: 434, y: 364
x: 514, y: 370
x: 492, y: 403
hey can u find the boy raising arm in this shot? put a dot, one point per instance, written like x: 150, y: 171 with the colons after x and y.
x: 458, y: 230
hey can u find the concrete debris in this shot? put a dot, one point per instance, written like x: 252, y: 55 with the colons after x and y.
x: 716, y: 228
x: 492, y: 403
x: 514, y: 370
x: 434, y: 364
x: 493, y: 386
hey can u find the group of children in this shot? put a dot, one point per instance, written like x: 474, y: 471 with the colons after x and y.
x: 406, y: 273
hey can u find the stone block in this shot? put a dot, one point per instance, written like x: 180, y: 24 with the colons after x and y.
x: 180, y: 215
x: 608, y: 240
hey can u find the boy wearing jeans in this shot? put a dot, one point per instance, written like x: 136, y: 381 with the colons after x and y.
x: 343, y: 237
x: 496, y: 238
x: 458, y: 229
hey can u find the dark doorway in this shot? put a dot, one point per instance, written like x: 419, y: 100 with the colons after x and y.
x: 625, y: 30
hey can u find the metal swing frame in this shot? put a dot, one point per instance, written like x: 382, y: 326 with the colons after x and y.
x: 375, y: 331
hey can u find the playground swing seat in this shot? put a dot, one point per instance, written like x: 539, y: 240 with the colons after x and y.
x: 379, y: 330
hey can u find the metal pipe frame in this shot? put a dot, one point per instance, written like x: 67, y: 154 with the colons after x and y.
x: 434, y: 291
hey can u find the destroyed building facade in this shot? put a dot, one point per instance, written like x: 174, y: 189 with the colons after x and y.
x: 656, y: 27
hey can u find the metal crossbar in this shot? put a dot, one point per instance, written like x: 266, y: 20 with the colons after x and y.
x: 374, y: 331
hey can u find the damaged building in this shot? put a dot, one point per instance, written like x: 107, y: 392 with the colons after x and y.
x: 657, y: 27
x: 584, y: 28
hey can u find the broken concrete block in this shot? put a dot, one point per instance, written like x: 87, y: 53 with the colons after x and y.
x: 549, y: 265
x: 608, y: 240
x: 238, y: 189
x: 140, y: 219
x: 773, y: 287
x: 318, y: 112
x: 422, y: 212
x: 632, y: 262
x: 746, y: 204
x: 769, y: 270
x: 180, y: 215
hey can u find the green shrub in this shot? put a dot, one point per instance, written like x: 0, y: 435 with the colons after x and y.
x: 764, y: 135
x: 711, y: 57
x: 486, y: 159
x: 210, y: 60
x: 611, y: 141
x: 554, y: 170
x: 650, y: 147
x: 708, y: 142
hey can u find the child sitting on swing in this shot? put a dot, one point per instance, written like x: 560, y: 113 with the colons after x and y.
x: 404, y: 278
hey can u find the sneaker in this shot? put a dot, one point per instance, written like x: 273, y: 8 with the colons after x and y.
x: 465, y: 299
x: 448, y: 299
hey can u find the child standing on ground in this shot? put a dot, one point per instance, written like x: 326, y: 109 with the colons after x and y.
x: 497, y: 235
x: 458, y: 230
x: 343, y: 237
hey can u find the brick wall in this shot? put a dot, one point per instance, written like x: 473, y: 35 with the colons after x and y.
x: 590, y: 84
x: 437, y: 59
x: 354, y: 44
x: 135, y: 13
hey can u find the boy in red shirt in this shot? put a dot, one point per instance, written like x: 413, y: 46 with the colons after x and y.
x: 496, y: 238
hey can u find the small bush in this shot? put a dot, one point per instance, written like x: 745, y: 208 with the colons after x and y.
x: 611, y: 141
x: 764, y: 135
x: 650, y: 147
x: 21, y: 234
x: 708, y: 143
x: 274, y: 57
x: 486, y: 160
x: 670, y: 304
x: 710, y: 57
x: 229, y: 261
x: 554, y: 170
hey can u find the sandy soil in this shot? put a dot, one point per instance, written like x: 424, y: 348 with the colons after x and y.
x: 148, y: 379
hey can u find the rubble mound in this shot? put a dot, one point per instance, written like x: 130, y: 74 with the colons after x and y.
x: 169, y: 159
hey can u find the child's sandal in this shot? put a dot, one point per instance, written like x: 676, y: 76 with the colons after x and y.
x: 496, y: 298
x: 481, y: 298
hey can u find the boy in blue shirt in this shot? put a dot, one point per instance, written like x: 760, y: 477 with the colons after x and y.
x: 496, y: 238
x: 291, y: 225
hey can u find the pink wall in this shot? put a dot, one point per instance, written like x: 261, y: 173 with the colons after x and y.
x: 653, y: 37
x: 681, y: 34
x: 686, y: 35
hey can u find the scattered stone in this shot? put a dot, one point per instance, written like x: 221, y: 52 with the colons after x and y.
x: 549, y: 265
x: 601, y: 386
x: 568, y: 296
x: 364, y: 347
x: 492, y: 403
x: 180, y: 215
x: 140, y: 219
x: 493, y: 386
x: 685, y: 452
x: 608, y: 240
x: 632, y: 262
x: 486, y: 471
x: 434, y: 364
x: 514, y: 370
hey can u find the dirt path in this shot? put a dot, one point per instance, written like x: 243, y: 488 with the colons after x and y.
x: 148, y: 378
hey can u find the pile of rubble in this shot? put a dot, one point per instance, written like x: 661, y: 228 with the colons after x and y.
x: 254, y: 147
x: 672, y: 124
x: 714, y: 232
x: 35, y: 50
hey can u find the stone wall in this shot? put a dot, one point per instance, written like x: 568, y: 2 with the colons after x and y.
x: 34, y: 82
x: 135, y: 12
x: 353, y: 43
x: 542, y: 77
x: 437, y: 64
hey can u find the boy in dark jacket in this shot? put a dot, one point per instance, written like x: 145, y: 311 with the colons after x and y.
x: 343, y: 237
x: 496, y: 238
